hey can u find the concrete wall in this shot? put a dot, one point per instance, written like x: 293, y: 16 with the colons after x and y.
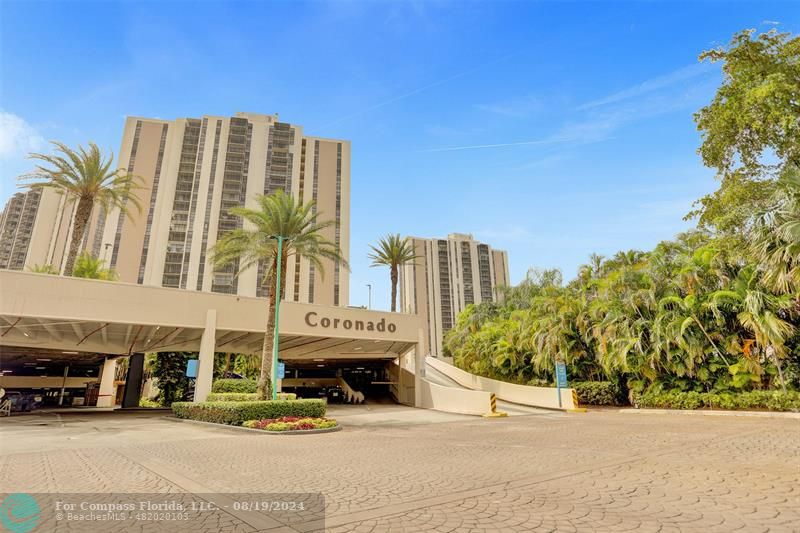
x: 453, y: 400
x: 510, y: 392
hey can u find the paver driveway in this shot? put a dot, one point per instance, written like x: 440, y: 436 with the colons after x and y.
x: 600, y: 471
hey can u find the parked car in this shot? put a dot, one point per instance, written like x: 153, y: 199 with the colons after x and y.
x: 334, y: 395
x: 22, y: 402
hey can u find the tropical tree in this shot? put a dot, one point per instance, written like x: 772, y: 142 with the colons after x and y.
x: 716, y: 309
x: 776, y: 237
x: 758, y: 312
x: 392, y: 251
x: 277, y: 214
x: 86, y: 177
x: 750, y: 129
x: 88, y: 266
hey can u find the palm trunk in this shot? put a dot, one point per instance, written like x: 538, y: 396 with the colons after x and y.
x: 227, y: 364
x: 265, y: 377
x: 394, y: 287
x: 776, y: 361
x: 713, y: 344
x: 82, y: 215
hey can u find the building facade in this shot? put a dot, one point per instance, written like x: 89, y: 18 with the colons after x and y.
x: 448, y: 275
x: 192, y: 171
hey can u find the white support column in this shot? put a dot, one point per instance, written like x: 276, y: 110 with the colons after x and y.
x: 401, y: 396
x: 105, y: 396
x: 419, y: 367
x: 205, y: 365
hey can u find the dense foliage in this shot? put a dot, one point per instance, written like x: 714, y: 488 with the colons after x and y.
x: 227, y: 365
x: 717, y: 309
x: 169, y: 369
x: 235, y: 385
x: 772, y: 400
x: 236, y: 413
x: 597, y: 393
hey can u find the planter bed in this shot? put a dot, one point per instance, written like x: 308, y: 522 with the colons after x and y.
x: 253, y: 430
x: 236, y: 413
x: 291, y: 424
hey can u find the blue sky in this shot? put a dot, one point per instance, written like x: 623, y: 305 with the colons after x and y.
x: 549, y: 129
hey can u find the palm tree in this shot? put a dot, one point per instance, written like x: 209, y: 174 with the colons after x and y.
x: 392, y: 251
x: 759, y: 313
x: 776, y: 241
x: 87, y: 266
x: 278, y: 214
x: 87, y: 178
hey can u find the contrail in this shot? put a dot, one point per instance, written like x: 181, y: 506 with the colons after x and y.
x: 419, y: 90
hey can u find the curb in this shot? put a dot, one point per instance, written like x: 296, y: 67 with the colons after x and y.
x: 253, y: 430
x: 713, y: 412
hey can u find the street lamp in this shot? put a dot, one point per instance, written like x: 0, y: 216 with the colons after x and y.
x: 369, y: 302
x: 279, y: 262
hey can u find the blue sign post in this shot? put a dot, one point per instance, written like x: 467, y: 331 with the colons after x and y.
x: 561, y: 378
x: 281, y: 370
x: 191, y: 368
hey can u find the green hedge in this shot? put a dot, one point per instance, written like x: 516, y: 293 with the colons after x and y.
x: 772, y: 400
x: 235, y: 385
x: 232, y: 397
x: 235, y: 413
x: 596, y: 392
x: 244, y: 396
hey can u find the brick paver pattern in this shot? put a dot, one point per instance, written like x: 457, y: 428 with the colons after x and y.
x: 599, y: 471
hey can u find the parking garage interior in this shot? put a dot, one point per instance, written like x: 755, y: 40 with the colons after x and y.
x: 38, y: 378
x: 331, y: 379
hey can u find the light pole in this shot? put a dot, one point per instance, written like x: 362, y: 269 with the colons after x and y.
x: 369, y: 304
x: 278, y: 264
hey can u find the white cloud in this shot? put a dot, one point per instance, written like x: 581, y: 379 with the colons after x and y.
x: 653, y: 84
x: 17, y: 137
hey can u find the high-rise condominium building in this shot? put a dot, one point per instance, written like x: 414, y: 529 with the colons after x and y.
x: 192, y: 171
x: 447, y: 275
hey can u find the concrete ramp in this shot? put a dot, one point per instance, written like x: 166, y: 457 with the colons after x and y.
x: 455, y: 400
x: 521, y: 395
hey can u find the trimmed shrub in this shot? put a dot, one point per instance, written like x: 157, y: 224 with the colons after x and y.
x: 596, y: 392
x: 235, y: 385
x: 235, y: 413
x: 771, y: 400
x: 232, y: 397
x: 244, y: 396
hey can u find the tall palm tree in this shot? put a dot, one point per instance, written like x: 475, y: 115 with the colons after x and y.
x: 277, y: 214
x: 86, y: 177
x: 392, y: 251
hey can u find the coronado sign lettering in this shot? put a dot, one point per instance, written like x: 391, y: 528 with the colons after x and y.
x: 313, y: 320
